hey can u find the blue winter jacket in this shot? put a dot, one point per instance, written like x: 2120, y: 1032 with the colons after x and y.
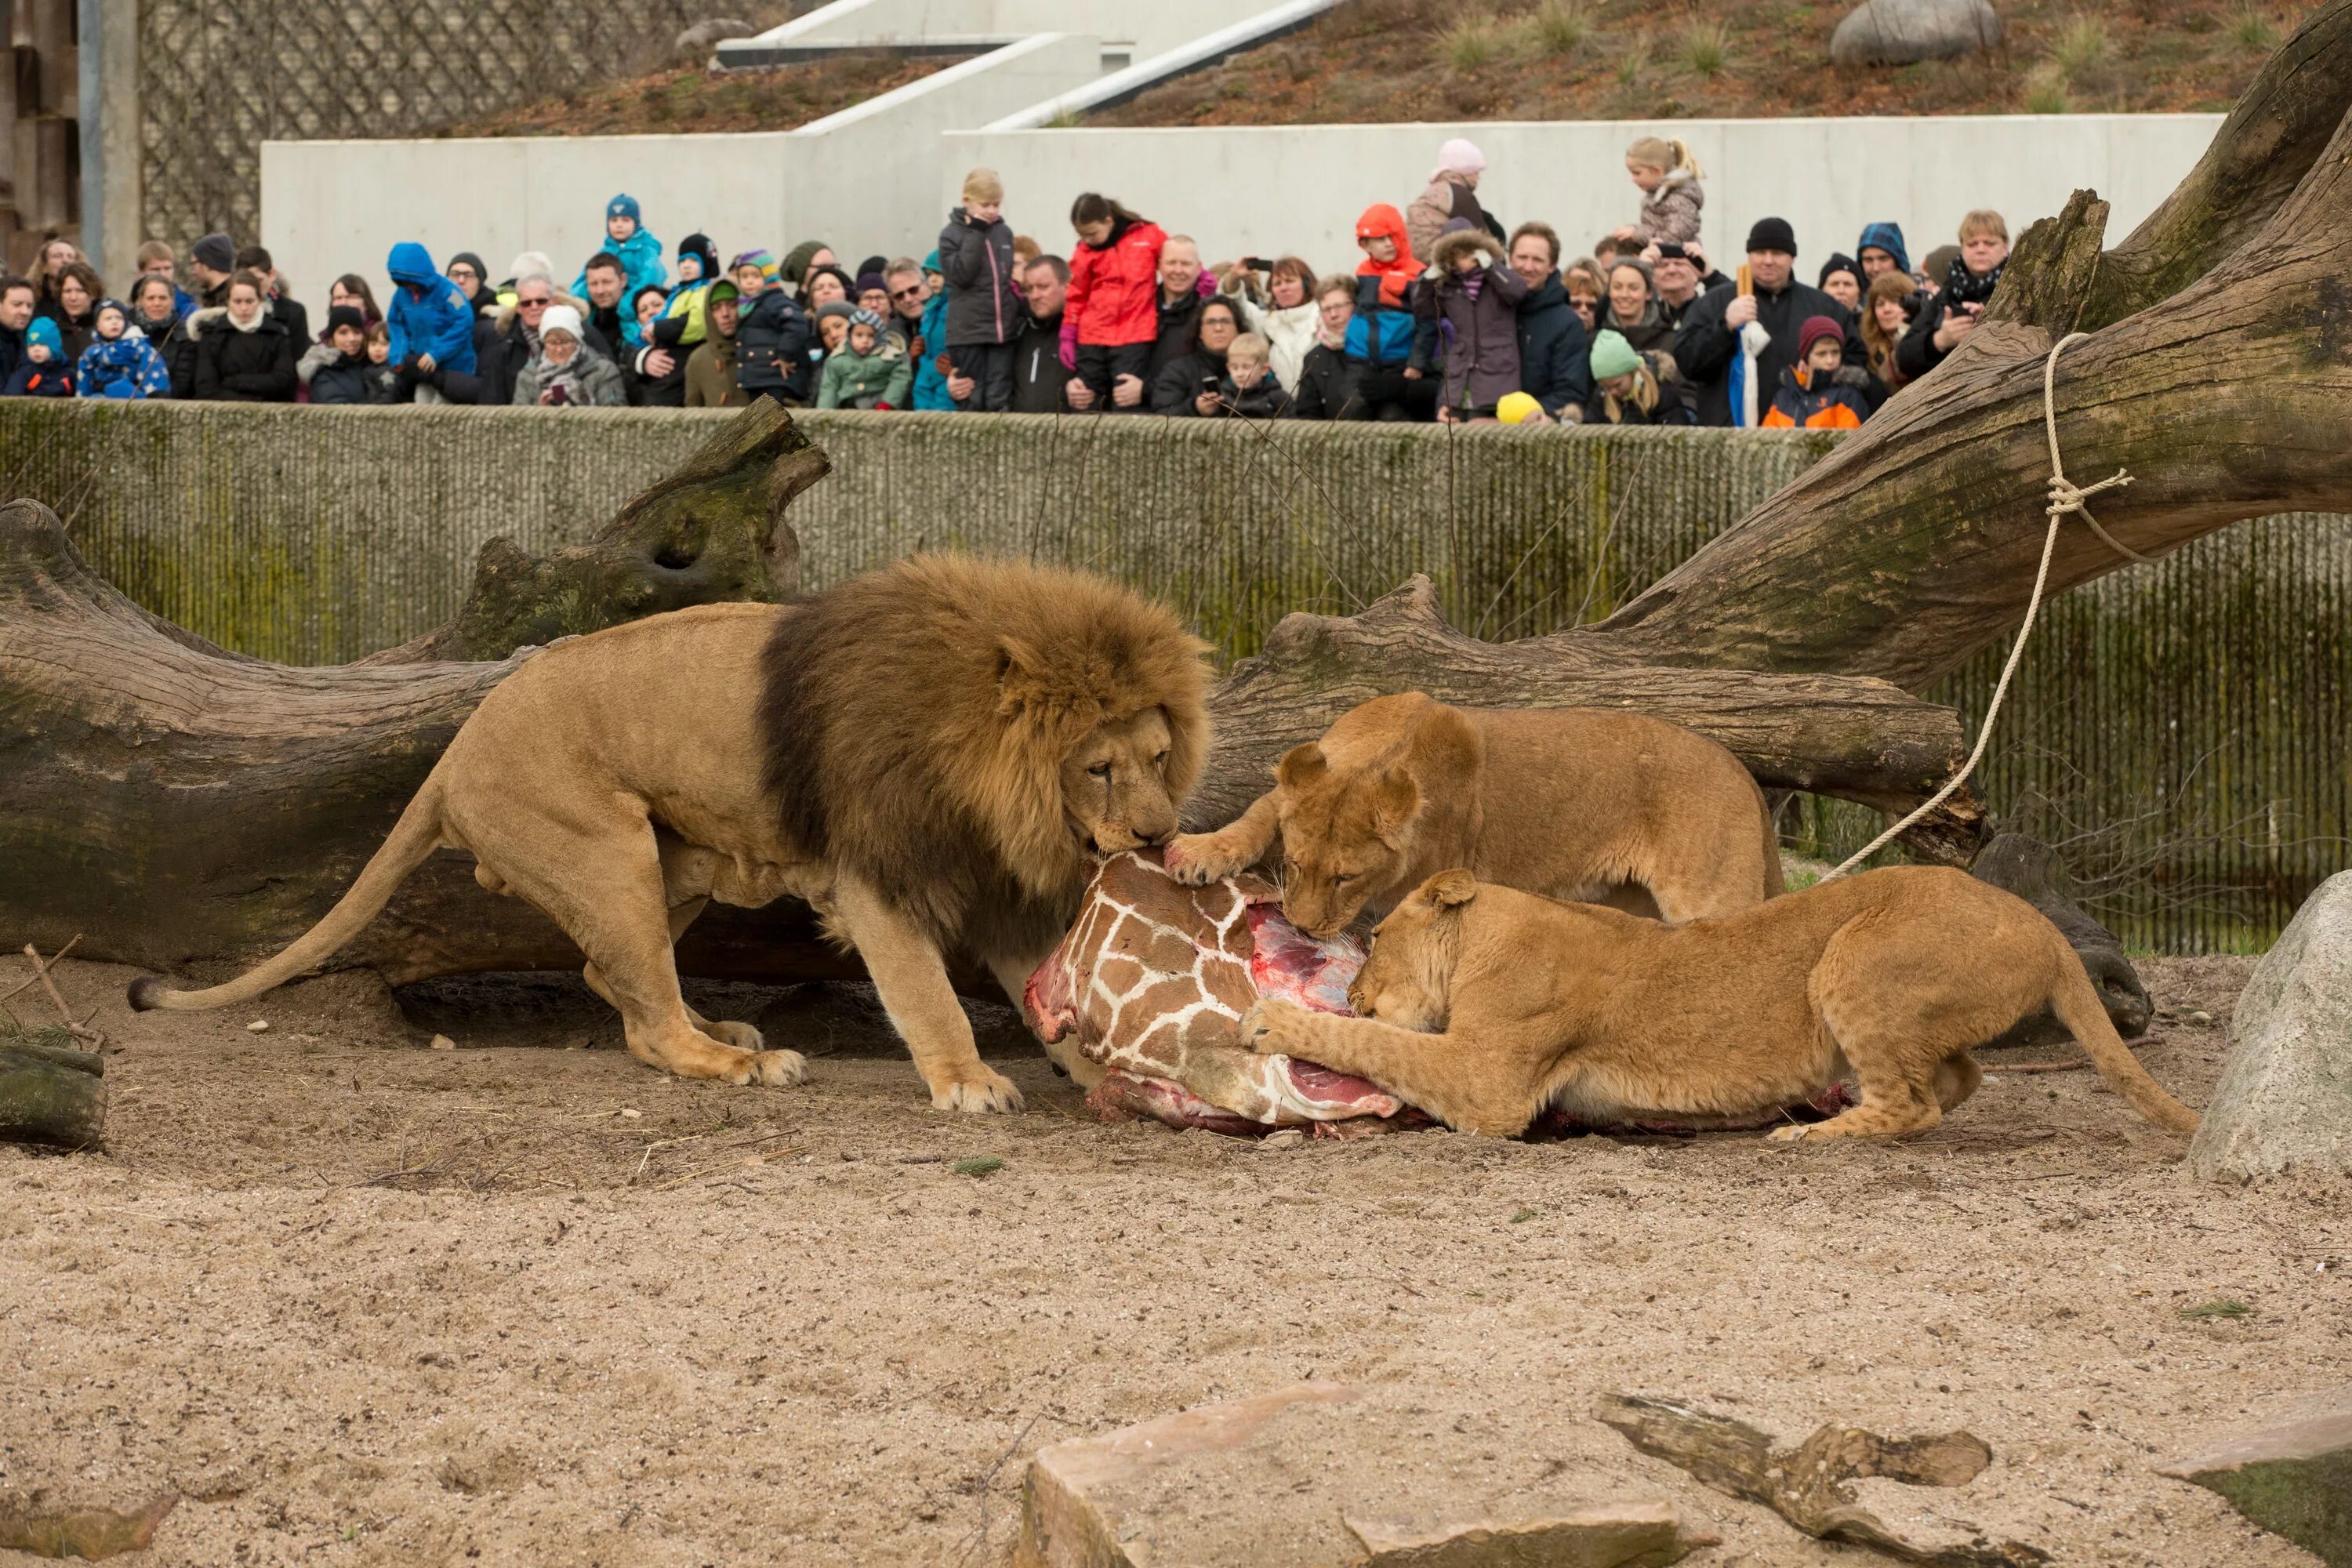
x: 127, y: 367
x: 440, y: 323
x: 930, y: 386
x: 641, y: 264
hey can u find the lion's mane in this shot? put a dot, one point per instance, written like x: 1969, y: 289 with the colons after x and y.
x: 916, y: 721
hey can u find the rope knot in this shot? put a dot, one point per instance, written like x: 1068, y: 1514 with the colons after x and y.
x: 2066, y: 496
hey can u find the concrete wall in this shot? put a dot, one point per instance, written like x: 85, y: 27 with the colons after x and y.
x: 1269, y: 190
x: 880, y: 177
x: 2183, y: 725
x: 330, y: 208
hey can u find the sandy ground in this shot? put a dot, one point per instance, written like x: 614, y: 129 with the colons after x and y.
x: 366, y: 1302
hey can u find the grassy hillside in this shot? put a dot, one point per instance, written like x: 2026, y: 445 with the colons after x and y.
x: 1637, y: 60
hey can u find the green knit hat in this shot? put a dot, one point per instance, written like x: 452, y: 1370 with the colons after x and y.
x: 1612, y: 355
x: 797, y: 262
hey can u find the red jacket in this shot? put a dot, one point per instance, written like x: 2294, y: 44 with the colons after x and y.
x: 1115, y: 291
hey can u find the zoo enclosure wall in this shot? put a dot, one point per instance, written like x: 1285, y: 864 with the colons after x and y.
x: 2179, y: 729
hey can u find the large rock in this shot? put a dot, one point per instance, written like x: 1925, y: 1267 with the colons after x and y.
x: 1321, y: 1475
x: 2285, y: 1102
x: 2293, y: 1480
x: 1897, y: 32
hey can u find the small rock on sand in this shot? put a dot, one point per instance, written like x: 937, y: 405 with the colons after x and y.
x: 443, y: 1043
x: 259, y: 1026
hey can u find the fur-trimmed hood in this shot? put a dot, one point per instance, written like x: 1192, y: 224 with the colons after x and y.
x: 1452, y: 248
x: 196, y: 321
x: 916, y: 720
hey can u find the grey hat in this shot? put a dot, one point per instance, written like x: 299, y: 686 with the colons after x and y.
x: 216, y: 251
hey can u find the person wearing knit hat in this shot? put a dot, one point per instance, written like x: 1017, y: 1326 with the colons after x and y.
x: 753, y: 272
x: 710, y: 369
x: 1732, y: 369
x: 43, y: 371
x: 626, y: 236
x: 472, y: 278
x: 793, y: 273
x: 870, y: 368
x: 210, y: 261
x: 1820, y: 392
x: 566, y: 373
x: 873, y: 292
x: 120, y: 361
x: 1451, y: 194
x: 335, y: 369
x: 1625, y: 388
x: 1840, y: 280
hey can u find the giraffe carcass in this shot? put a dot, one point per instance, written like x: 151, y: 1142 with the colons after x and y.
x: 1153, y: 980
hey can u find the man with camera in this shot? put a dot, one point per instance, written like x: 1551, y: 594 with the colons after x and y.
x: 1948, y: 317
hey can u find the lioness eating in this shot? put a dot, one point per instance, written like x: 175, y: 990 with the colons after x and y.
x: 926, y: 754
x: 1575, y: 802
x: 1893, y: 975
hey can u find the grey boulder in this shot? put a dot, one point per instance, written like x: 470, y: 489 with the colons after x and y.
x: 2284, y: 1102
x: 1897, y: 32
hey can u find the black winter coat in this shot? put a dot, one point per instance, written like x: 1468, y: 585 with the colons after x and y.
x: 1175, y: 339
x: 1184, y: 378
x: 1038, y: 378
x: 1704, y: 348
x: 772, y: 349
x: 295, y: 318
x: 243, y: 367
x: 179, y: 352
x: 12, y: 351
x: 1553, y: 349
x: 1915, y: 352
x: 343, y: 380
x: 984, y: 303
x: 649, y: 391
x: 1327, y: 384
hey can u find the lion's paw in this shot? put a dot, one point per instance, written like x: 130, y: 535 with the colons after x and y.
x: 1793, y: 1132
x: 782, y: 1068
x: 1275, y: 1024
x: 988, y: 1091
x: 744, y: 1036
x: 1197, y: 860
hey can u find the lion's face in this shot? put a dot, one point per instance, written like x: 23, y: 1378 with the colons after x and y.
x: 1116, y: 792
x: 1408, y: 979
x: 1347, y: 838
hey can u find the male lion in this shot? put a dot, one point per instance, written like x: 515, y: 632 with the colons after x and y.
x: 1576, y: 802
x: 1892, y: 974
x: 925, y: 755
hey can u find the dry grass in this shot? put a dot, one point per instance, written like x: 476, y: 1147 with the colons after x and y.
x: 1389, y: 60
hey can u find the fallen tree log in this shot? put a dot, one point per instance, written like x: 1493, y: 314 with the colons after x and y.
x: 179, y: 804
x: 51, y: 1091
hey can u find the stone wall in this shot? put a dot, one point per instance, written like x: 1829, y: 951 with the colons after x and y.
x: 2180, y: 729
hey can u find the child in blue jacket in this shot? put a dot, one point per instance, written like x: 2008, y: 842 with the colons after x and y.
x: 431, y: 325
x: 120, y: 360
x: 626, y: 236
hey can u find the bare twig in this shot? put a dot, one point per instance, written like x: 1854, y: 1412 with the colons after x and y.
x: 94, y: 1039
x: 40, y: 968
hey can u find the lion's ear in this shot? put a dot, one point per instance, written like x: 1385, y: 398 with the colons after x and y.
x: 1300, y: 767
x: 1451, y: 889
x: 1395, y: 799
x: 1018, y: 684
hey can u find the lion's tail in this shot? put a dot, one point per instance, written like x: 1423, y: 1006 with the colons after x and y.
x: 2078, y: 1008
x: 413, y: 838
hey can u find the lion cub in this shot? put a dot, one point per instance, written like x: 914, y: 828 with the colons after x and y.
x: 1576, y: 802
x: 1892, y: 974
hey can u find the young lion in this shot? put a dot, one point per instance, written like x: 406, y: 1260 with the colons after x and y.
x: 1575, y: 802
x: 1893, y: 975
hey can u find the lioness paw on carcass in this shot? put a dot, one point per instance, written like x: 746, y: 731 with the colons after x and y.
x: 930, y: 755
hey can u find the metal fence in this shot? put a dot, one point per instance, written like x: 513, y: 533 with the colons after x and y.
x: 2181, y: 731
x: 216, y: 82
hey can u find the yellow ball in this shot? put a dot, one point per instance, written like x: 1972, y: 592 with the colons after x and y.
x: 1515, y: 407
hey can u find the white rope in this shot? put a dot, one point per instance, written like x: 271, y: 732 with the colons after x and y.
x: 2064, y: 497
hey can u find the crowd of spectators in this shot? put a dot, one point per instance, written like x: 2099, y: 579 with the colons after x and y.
x: 1444, y: 315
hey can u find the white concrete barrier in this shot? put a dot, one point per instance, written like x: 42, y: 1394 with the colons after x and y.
x: 881, y: 176
x: 1268, y: 190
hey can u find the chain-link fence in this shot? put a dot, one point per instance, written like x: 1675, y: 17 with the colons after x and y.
x: 216, y: 80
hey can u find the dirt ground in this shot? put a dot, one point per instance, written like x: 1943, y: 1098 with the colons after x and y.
x: 363, y: 1302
